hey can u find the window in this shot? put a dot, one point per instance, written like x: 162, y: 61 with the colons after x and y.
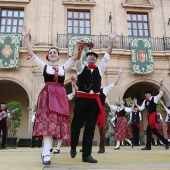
x: 11, y: 20
x: 78, y: 22
x: 137, y: 25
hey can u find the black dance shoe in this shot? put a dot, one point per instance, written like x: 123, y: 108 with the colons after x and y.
x: 167, y: 146
x: 146, y: 148
x: 81, y: 150
x: 89, y: 159
x: 56, y: 151
x: 46, y: 162
x: 51, y: 149
x: 73, y: 152
x: 117, y: 148
x: 101, y: 150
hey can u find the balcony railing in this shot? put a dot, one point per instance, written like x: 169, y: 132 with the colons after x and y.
x: 120, y: 42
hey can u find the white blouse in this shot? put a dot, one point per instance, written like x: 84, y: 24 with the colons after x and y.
x: 118, y: 108
x: 41, y: 64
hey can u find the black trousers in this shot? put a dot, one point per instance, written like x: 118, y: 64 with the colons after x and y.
x: 85, y: 114
x: 102, y: 133
x: 135, y: 131
x: 3, y: 130
x: 149, y: 132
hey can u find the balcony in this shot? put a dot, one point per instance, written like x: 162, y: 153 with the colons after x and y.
x: 120, y: 42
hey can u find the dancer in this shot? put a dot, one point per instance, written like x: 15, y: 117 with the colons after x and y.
x: 102, y: 128
x: 159, y: 121
x: 167, y: 120
x: 150, y: 105
x: 87, y: 102
x: 135, y: 118
x: 3, y: 123
x: 103, y: 93
x: 122, y: 129
x: 70, y: 97
x: 52, y: 115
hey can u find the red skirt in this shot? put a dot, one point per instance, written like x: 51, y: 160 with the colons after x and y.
x: 52, y: 115
x: 159, y: 129
x: 122, y: 129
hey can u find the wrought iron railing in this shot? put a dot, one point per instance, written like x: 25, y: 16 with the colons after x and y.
x: 120, y: 42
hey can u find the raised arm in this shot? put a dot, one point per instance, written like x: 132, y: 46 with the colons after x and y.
x: 108, y: 88
x: 74, y: 88
x: 166, y: 109
x: 156, y: 98
x: 111, y: 38
x: 26, y: 32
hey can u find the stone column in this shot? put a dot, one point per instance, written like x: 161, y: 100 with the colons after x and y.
x: 44, y: 24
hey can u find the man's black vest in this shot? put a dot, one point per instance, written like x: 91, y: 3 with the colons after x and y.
x: 89, y: 80
x: 151, y: 106
x: 135, y: 117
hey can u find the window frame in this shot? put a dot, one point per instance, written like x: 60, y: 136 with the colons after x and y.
x: 131, y: 22
x: 79, y: 19
x: 12, y: 18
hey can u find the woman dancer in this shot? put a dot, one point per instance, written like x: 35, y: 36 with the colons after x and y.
x: 53, y: 115
x: 122, y: 129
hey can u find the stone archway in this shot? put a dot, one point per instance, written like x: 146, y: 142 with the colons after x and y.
x: 13, y: 91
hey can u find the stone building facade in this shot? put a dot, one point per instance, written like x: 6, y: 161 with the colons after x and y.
x: 50, y: 24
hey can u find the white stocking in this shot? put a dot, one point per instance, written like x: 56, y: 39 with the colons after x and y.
x: 161, y: 142
x: 47, y: 147
x: 51, y: 143
x: 59, y: 144
x: 117, y: 144
x: 129, y: 141
x: 155, y: 141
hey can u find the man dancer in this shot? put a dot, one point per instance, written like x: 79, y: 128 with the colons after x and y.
x: 87, y: 102
x: 150, y: 105
x: 135, y: 118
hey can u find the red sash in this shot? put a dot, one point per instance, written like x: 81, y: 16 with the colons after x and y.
x: 58, y: 100
x: 151, y: 119
x: 101, y: 119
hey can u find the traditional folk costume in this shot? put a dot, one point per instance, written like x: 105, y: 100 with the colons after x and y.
x: 52, y: 114
x: 150, y: 106
x: 159, y: 127
x: 167, y: 120
x: 135, y: 118
x: 4, y: 127
x: 122, y: 129
x: 87, y: 104
x: 102, y: 127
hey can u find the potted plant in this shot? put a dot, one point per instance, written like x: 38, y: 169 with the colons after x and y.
x: 14, y: 121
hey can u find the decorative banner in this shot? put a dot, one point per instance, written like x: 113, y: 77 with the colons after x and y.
x: 9, y: 50
x: 72, y: 39
x: 142, y: 59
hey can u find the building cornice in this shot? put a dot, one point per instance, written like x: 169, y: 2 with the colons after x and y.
x: 79, y: 3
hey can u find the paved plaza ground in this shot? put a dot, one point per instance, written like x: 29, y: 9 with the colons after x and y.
x: 127, y: 158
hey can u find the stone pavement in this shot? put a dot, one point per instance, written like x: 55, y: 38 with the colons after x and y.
x: 126, y: 158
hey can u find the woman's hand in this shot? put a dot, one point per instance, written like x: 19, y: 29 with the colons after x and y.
x: 25, y: 32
